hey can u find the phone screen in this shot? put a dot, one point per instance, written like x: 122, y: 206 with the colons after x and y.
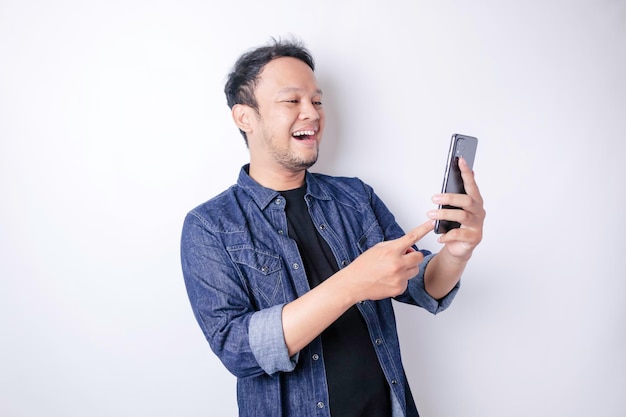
x: 461, y: 146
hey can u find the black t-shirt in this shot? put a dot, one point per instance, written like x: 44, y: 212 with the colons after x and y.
x: 356, y: 384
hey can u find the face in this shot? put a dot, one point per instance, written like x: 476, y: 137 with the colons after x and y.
x: 286, y: 132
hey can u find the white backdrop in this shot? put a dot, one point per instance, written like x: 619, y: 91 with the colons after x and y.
x: 113, y: 125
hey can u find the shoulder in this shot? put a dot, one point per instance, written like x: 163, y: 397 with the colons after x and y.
x: 342, y: 185
x: 222, y: 212
x: 350, y: 191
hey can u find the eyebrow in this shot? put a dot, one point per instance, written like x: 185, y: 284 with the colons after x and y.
x: 297, y: 89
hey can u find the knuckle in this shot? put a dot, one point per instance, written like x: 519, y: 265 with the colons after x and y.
x: 460, y: 216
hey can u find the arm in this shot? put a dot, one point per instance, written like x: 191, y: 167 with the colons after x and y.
x: 380, y: 272
x: 250, y: 341
x: 224, y: 309
x: 445, y: 269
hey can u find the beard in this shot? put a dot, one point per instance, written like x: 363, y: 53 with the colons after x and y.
x: 290, y: 159
x: 281, y: 152
x: 294, y: 162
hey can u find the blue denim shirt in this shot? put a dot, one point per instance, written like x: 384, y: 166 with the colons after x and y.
x: 241, y: 268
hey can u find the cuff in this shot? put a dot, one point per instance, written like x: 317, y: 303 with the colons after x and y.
x: 267, y: 341
x: 418, y: 292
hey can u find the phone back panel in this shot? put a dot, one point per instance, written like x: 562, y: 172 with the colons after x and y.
x: 460, y: 146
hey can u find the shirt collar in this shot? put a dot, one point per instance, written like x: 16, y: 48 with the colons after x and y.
x: 314, y: 188
x: 262, y: 196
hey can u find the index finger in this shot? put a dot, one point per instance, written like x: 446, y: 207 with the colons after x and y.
x: 415, y: 234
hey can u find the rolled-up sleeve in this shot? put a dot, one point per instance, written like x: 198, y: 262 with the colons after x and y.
x: 267, y: 341
x: 416, y: 291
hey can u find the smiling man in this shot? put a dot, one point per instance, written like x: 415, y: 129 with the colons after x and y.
x: 290, y: 274
x: 285, y: 125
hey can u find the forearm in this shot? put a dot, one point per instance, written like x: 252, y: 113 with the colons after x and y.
x: 308, y: 316
x: 443, y: 273
x: 380, y: 272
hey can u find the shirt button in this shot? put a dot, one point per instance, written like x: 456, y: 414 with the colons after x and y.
x: 322, y: 226
x: 315, y: 356
x: 379, y: 341
x: 295, y: 266
x: 320, y: 404
x: 344, y: 263
x: 394, y: 381
x: 280, y: 231
x: 277, y: 201
x: 265, y: 269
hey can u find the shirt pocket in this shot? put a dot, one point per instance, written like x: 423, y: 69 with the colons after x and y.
x: 372, y: 235
x: 263, y: 273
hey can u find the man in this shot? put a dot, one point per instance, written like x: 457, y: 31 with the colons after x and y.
x: 290, y: 274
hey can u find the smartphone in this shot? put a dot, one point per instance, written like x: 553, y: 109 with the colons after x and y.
x: 460, y: 146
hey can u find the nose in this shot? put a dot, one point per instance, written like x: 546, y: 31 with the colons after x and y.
x: 308, y: 111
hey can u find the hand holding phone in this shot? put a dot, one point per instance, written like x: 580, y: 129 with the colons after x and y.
x: 461, y: 146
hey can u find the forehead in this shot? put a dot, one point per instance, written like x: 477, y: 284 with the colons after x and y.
x: 287, y: 74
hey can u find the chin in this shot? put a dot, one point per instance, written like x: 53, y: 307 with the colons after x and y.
x: 306, y: 165
x: 302, y: 164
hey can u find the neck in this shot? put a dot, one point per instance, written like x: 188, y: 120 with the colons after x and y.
x: 278, y: 180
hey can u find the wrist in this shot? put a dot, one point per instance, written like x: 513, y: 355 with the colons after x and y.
x: 453, y: 259
x: 344, y: 288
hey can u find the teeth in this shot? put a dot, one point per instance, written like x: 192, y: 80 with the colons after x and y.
x: 304, y: 133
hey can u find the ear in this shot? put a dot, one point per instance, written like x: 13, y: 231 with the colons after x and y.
x: 241, y: 115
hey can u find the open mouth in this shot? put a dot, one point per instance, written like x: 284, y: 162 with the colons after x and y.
x: 303, y: 134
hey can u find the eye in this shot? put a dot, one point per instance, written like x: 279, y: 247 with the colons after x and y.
x: 317, y: 103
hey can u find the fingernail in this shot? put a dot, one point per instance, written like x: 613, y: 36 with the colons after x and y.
x: 437, y: 198
x: 432, y: 214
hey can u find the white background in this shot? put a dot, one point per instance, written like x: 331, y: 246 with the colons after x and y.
x: 113, y: 125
